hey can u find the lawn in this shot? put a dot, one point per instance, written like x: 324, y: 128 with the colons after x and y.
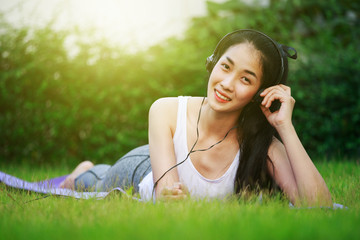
x: 121, y: 218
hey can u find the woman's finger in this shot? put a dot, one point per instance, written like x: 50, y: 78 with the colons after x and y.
x: 182, y: 187
x: 272, y: 98
x: 269, y: 97
x: 175, y: 190
x: 286, y: 88
x: 177, y: 196
x: 280, y: 86
x: 166, y: 191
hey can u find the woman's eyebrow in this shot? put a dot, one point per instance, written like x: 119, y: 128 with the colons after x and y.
x: 251, y: 73
x: 230, y: 60
x: 247, y: 71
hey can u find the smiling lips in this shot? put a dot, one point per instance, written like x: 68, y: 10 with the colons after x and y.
x: 220, y: 97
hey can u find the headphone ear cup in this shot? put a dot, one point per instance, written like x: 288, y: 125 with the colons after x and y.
x: 275, y: 105
x: 210, y: 63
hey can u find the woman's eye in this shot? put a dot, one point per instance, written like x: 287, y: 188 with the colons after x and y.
x: 246, y: 79
x: 227, y: 67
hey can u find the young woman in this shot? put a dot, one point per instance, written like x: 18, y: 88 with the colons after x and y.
x: 239, y: 138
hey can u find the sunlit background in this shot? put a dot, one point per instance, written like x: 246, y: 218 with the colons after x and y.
x: 77, y: 77
x: 135, y: 23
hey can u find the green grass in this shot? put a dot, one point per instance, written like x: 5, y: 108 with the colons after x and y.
x: 122, y: 218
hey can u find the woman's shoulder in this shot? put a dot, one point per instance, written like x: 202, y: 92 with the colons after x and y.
x: 277, y: 150
x: 165, y: 109
x: 165, y: 100
x: 275, y: 145
x: 163, y: 113
x: 170, y: 104
x: 166, y: 104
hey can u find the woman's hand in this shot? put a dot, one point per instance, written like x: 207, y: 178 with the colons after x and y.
x: 282, y: 117
x: 293, y: 169
x: 177, y: 192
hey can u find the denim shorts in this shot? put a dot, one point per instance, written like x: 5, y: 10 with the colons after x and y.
x: 127, y: 172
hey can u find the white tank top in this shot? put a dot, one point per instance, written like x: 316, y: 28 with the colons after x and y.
x: 198, y: 185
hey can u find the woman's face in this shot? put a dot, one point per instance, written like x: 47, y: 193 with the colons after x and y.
x: 235, y: 79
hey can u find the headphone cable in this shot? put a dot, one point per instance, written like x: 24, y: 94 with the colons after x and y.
x: 192, y: 149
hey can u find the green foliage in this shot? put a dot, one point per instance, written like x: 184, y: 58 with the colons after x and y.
x: 55, y: 107
x: 93, y: 104
x: 328, y: 103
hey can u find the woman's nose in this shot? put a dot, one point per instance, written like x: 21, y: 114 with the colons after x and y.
x: 228, y: 82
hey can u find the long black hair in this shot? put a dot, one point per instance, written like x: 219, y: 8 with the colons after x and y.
x: 255, y: 134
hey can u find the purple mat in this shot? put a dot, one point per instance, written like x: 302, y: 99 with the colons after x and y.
x: 53, y: 182
x: 51, y: 186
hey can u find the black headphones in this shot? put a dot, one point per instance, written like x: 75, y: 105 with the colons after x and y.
x: 284, y: 51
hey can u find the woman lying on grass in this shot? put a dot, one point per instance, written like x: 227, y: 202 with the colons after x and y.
x: 232, y: 141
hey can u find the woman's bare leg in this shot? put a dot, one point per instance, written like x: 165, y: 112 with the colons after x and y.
x: 69, y: 182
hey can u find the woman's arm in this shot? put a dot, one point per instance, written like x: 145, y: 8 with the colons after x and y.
x: 162, y: 125
x: 294, y: 170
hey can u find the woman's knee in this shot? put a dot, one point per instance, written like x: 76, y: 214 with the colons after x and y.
x: 88, y: 180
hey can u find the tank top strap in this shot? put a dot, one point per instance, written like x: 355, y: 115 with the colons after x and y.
x: 181, y: 116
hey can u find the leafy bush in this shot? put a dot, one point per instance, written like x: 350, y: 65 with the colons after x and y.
x: 61, y: 107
